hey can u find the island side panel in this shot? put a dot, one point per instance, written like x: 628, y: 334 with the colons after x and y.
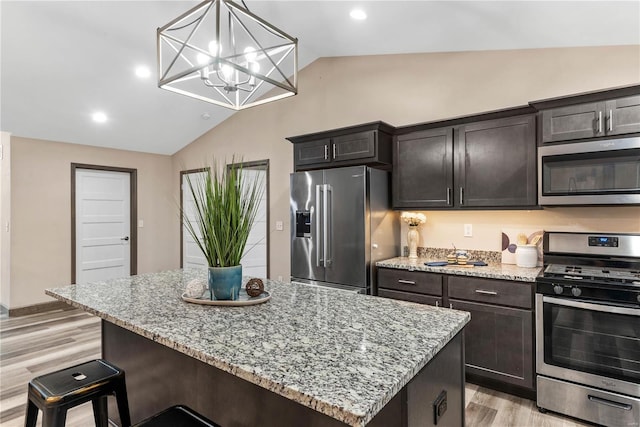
x: 444, y: 373
x: 158, y: 377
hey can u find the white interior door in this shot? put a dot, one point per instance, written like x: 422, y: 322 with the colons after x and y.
x: 254, y: 258
x: 103, y: 225
x: 192, y: 256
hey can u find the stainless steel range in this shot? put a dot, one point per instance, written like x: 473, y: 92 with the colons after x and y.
x: 588, y: 327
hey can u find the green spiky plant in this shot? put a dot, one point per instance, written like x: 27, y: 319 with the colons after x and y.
x: 226, y: 207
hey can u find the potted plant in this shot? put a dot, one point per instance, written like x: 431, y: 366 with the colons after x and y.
x: 225, y: 205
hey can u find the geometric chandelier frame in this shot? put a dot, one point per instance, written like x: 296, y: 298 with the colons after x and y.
x: 221, y: 53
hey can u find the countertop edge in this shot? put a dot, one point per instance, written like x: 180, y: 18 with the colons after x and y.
x: 497, y: 271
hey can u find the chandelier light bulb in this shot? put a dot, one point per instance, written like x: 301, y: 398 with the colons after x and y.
x: 250, y: 54
x: 227, y: 71
x: 202, y: 59
x: 213, y: 47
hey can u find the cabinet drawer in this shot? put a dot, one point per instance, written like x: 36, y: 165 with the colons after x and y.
x: 410, y: 296
x: 410, y: 281
x: 499, y: 292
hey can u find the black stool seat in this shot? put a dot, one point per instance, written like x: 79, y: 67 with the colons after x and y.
x: 59, y: 391
x: 177, y: 416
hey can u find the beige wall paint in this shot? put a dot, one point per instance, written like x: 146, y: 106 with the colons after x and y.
x: 407, y: 89
x: 445, y: 228
x: 5, y: 209
x: 41, y: 212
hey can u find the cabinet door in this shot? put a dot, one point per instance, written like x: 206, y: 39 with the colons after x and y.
x: 361, y: 145
x: 496, y: 163
x: 573, y: 122
x: 423, y: 169
x: 623, y: 115
x: 499, y: 342
x: 311, y: 153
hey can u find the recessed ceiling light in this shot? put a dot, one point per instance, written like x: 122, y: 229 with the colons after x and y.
x: 358, y: 14
x: 99, y: 117
x: 143, y: 72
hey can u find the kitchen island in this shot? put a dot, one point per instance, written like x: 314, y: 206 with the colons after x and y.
x: 307, y: 357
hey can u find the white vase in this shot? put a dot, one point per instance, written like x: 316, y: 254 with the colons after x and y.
x: 412, y: 241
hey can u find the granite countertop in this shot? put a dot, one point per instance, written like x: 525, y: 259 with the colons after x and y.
x: 491, y: 271
x: 343, y: 354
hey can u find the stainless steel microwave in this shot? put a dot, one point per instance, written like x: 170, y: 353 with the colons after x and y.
x: 601, y: 172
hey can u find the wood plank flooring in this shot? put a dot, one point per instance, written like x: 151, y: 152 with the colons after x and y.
x: 40, y: 343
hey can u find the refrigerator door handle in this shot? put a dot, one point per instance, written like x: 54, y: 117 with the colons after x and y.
x: 319, y: 218
x: 328, y: 229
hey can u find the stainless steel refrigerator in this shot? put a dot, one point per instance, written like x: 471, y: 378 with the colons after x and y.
x: 341, y: 224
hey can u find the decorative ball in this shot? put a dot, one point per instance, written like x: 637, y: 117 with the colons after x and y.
x: 255, y: 287
x: 195, y: 288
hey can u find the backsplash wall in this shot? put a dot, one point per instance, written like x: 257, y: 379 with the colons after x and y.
x: 444, y: 229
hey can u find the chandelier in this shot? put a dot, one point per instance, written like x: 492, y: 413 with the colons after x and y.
x: 221, y: 53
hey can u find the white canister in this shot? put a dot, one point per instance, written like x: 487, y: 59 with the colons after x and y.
x: 527, y: 256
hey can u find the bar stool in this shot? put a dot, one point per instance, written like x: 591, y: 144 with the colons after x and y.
x: 177, y: 416
x: 59, y: 391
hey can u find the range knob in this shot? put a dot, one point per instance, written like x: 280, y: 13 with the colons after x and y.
x: 638, y: 298
x: 576, y: 292
x: 558, y: 289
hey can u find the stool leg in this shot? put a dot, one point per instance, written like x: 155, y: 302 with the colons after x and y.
x: 100, y: 411
x: 54, y: 417
x: 122, y: 400
x: 32, y: 415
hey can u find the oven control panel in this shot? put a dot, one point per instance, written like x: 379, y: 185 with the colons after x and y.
x: 603, y: 241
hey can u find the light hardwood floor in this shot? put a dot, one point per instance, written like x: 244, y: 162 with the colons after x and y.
x: 41, y: 343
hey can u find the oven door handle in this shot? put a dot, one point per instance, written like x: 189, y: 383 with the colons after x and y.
x: 608, y: 402
x: 610, y: 308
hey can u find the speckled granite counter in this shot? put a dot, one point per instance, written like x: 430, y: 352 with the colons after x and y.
x: 491, y: 271
x: 342, y: 354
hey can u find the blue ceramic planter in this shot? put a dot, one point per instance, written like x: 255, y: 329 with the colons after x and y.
x: 225, y: 282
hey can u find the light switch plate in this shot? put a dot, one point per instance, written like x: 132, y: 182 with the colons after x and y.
x: 279, y: 225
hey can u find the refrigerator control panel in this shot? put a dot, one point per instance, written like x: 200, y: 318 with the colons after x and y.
x: 303, y: 224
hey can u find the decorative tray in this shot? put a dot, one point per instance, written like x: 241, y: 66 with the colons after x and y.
x: 244, y: 299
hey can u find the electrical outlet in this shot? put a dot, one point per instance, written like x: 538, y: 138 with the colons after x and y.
x: 468, y: 230
x: 140, y: 223
x: 279, y: 225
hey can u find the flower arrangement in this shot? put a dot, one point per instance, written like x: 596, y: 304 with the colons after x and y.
x: 413, y: 219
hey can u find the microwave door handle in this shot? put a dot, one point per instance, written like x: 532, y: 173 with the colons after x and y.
x: 609, y: 308
x: 318, y: 219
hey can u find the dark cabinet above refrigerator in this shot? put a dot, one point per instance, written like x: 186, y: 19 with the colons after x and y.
x: 367, y: 144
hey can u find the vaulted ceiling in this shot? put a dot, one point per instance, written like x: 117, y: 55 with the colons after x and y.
x: 63, y: 60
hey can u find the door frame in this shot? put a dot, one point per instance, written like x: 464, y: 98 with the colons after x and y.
x: 133, y: 213
x: 265, y: 165
x: 182, y: 174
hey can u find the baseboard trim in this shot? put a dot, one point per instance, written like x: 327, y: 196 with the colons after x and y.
x: 38, y: 308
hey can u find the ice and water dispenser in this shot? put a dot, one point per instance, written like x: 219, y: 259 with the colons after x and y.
x: 303, y: 224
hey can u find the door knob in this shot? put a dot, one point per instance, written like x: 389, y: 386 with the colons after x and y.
x: 125, y: 238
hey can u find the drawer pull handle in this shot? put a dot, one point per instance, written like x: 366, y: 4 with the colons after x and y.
x: 607, y: 402
x: 480, y: 291
x: 406, y: 282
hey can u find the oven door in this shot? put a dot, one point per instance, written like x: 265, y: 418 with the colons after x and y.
x: 588, y: 343
x: 590, y: 173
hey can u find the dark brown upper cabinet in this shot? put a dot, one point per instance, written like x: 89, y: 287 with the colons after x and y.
x: 368, y: 144
x: 496, y: 163
x: 589, y: 115
x: 471, y: 164
x: 423, y: 169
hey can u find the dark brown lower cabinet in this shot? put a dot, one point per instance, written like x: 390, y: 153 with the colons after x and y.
x: 499, y: 342
x: 499, y: 339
